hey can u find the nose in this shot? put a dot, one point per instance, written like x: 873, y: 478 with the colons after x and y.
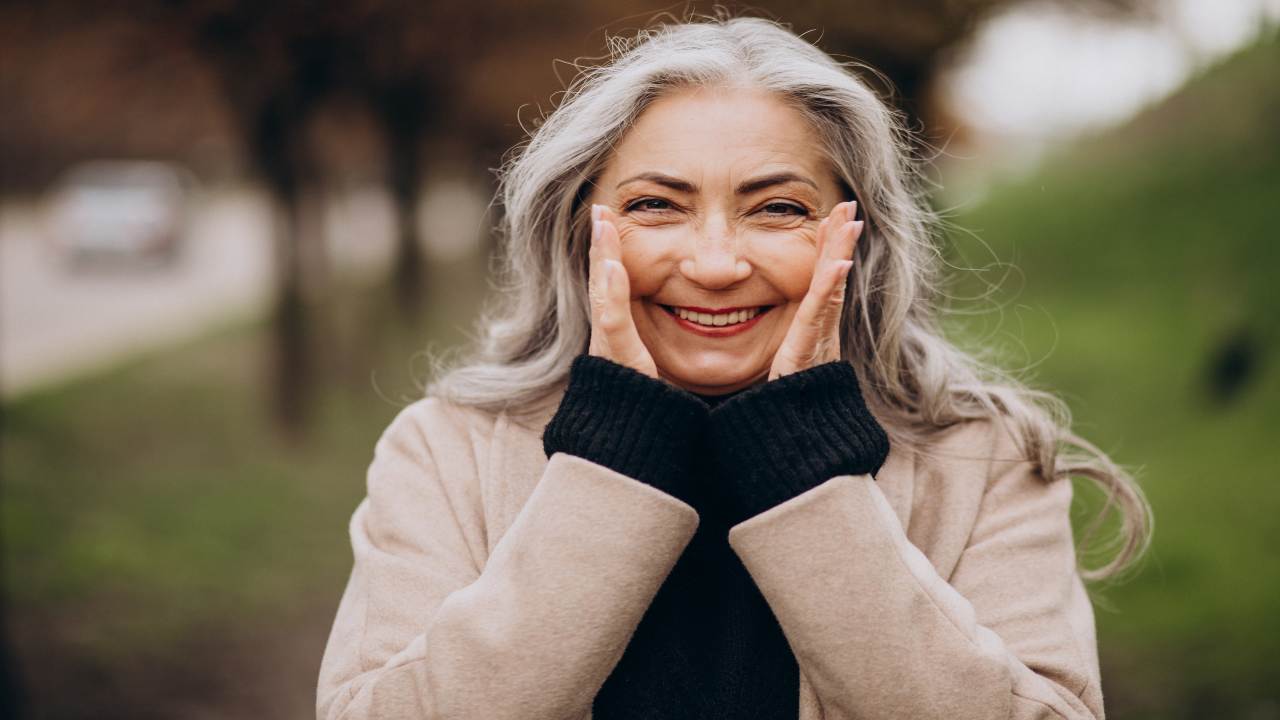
x: 714, y: 261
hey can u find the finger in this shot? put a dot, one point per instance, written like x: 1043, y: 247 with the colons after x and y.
x: 596, y: 292
x: 830, y: 292
x: 835, y: 295
x: 844, y: 215
x: 830, y: 241
x: 595, y: 279
x: 829, y: 336
x: 615, y: 313
x: 845, y: 239
x: 813, y: 321
x: 607, y: 250
x: 610, y: 243
x: 604, y: 238
x: 821, y: 240
x: 613, y: 323
x: 624, y: 338
x: 623, y: 335
x: 851, y: 231
x: 828, y: 231
x: 850, y: 212
x: 821, y: 336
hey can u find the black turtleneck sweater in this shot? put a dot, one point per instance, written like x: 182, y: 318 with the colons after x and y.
x: 709, y: 646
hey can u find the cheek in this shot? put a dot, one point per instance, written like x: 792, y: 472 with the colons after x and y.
x: 785, y: 259
x: 649, y: 254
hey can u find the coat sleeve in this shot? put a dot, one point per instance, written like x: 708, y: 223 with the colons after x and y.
x: 880, y: 634
x: 427, y: 629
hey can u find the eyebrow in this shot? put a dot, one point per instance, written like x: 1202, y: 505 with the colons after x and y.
x: 746, y: 187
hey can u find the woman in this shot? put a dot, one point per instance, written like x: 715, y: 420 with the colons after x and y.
x: 715, y: 458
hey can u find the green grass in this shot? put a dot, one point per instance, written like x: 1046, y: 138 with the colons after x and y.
x: 1138, y: 254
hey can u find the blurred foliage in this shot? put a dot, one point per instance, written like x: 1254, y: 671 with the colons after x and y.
x: 230, y: 86
x: 1144, y: 292
x: 409, y: 78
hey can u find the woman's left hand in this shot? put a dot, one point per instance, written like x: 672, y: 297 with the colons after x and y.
x: 814, y: 335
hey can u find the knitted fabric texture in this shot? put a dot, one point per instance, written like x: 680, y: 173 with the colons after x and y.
x: 778, y: 439
x: 709, y: 646
x: 620, y: 418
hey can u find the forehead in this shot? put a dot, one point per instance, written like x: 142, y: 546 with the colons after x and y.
x: 704, y: 131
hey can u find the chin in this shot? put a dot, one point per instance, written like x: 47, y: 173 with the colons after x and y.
x: 712, y: 377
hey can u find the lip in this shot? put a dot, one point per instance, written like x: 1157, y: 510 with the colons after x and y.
x: 717, y: 332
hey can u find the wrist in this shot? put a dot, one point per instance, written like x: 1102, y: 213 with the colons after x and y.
x: 781, y: 438
x: 640, y: 426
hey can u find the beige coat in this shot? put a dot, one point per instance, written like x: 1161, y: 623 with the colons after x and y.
x: 491, y: 583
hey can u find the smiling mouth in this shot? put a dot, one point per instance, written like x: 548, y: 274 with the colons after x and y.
x: 706, y: 317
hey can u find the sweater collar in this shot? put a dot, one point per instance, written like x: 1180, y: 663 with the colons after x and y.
x: 714, y: 400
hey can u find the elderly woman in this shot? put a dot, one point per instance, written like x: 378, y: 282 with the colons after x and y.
x: 714, y: 457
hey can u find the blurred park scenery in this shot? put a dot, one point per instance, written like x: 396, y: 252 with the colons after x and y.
x: 229, y: 231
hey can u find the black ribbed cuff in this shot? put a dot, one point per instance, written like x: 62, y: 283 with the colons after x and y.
x: 625, y: 420
x: 779, y: 439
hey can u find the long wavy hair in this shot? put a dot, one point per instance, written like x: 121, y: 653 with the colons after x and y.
x: 914, y: 380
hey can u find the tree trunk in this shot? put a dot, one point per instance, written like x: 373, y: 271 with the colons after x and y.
x: 292, y: 368
x: 406, y: 183
x: 282, y: 154
x: 402, y: 109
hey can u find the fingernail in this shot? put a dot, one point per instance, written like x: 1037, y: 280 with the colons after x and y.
x: 596, y: 228
x: 596, y: 212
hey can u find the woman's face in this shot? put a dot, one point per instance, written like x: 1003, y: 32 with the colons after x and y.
x: 717, y: 194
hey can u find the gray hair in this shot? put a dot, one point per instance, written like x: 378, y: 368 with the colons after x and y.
x: 914, y: 380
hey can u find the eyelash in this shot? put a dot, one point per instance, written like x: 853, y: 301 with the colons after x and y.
x: 800, y: 210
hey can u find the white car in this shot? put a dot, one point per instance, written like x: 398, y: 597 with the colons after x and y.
x: 131, y: 210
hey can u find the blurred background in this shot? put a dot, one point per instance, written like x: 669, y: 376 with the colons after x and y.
x: 230, y: 230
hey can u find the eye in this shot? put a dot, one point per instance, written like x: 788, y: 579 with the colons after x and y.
x: 648, y: 204
x: 784, y: 208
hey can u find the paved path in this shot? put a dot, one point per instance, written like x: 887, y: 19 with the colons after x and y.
x: 55, y: 323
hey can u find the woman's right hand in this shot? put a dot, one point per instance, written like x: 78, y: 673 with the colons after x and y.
x: 613, y: 329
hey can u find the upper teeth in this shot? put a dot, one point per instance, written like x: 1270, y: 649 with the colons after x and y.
x: 718, y: 319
